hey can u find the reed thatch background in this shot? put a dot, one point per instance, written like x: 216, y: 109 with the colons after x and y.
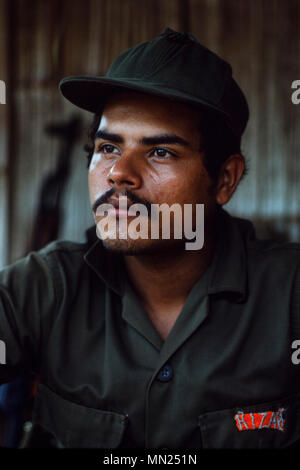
x: 44, y: 40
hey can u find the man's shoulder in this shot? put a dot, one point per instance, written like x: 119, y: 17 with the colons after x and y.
x: 58, y: 258
x: 272, y: 248
x: 69, y: 248
x: 64, y: 262
x: 270, y: 252
x: 69, y: 261
x: 275, y: 263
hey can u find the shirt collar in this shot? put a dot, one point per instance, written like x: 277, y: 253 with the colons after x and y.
x: 227, y: 272
x: 106, y: 264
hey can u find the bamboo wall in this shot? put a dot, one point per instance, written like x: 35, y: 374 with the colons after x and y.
x: 50, y: 39
x: 3, y: 140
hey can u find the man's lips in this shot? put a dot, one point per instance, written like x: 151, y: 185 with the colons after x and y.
x: 115, y: 201
x: 121, y: 207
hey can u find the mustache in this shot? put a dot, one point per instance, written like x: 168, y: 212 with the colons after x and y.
x: 134, y: 199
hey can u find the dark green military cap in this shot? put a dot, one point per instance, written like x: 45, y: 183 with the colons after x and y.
x: 173, y: 65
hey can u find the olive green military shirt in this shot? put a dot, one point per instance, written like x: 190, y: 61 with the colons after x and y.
x: 224, y: 377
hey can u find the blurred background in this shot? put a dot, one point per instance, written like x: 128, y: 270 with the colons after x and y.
x: 43, y: 175
x: 43, y: 41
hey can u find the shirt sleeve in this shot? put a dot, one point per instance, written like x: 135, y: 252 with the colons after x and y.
x: 26, y: 296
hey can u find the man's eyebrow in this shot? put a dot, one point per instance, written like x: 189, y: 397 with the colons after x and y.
x: 105, y: 135
x: 159, y: 139
x: 165, y: 139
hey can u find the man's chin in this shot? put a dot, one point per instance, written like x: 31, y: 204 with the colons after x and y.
x: 142, y: 246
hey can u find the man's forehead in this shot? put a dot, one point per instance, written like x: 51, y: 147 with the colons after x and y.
x: 136, y: 107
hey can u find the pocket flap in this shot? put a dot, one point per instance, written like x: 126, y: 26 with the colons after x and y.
x: 274, y: 424
x: 75, y: 425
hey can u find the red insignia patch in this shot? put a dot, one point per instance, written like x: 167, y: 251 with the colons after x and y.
x: 262, y: 420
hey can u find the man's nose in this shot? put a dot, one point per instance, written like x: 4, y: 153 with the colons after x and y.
x: 126, y: 172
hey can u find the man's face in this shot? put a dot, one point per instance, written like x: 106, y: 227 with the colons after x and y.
x: 151, y: 148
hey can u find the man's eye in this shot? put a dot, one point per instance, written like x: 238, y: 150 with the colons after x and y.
x: 108, y: 148
x: 162, y: 153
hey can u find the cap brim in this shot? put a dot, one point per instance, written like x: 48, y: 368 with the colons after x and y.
x: 90, y: 93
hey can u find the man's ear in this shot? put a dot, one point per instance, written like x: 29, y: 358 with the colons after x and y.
x: 230, y: 174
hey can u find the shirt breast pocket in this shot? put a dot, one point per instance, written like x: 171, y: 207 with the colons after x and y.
x: 273, y: 424
x: 77, y: 426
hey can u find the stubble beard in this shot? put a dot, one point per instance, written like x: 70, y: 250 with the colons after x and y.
x: 141, y: 247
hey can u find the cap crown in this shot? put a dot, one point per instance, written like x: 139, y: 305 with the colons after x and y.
x: 172, y: 65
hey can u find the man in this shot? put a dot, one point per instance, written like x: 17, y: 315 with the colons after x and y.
x: 139, y: 341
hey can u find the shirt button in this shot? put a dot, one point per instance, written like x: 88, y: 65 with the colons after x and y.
x: 165, y: 374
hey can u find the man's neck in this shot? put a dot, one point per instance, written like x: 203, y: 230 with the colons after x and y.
x: 163, y: 282
x: 165, y: 279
